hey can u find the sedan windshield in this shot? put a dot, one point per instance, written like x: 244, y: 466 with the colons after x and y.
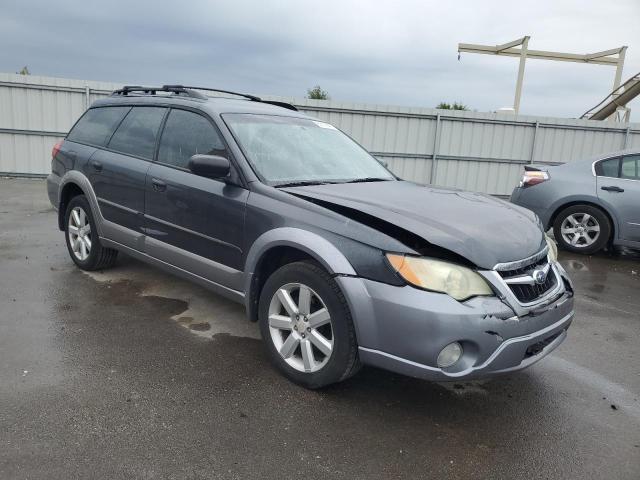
x: 297, y: 151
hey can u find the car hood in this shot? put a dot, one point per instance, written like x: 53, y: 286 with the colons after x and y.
x: 483, y: 229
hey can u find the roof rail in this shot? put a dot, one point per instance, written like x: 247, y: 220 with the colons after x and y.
x: 190, y: 92
x: 286, y: 105
x: 177, y: 89
x: 228, y: 92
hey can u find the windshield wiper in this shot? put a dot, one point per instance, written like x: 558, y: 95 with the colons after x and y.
x: 368, y: 179
x: 302, y: 183
x: 305, y: 183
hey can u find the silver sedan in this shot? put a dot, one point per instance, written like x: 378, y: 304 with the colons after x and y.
x: 590, y: 204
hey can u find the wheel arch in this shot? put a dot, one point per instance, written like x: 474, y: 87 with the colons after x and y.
x: 75, y: 183
x: 67, y: 192
x: 285, y: 245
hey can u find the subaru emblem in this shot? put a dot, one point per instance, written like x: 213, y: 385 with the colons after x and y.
x: 540, y: 276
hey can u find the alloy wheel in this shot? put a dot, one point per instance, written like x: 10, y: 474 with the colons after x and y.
x: 580, y: 230
x: 300, y: 327
x: 79, y: 230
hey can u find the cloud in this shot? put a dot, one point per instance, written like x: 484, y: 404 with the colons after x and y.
x: 390, y: 52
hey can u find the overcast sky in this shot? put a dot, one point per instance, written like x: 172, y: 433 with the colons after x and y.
x: 387, y: 52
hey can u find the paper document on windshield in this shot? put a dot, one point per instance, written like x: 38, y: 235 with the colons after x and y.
x: 325, y: 125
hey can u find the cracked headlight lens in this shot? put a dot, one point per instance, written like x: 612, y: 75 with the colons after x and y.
x: 553, y: 248
x: 456, y: 281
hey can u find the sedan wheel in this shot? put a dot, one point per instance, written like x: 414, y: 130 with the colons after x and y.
x: 580, y: 230
x: 300, y: 327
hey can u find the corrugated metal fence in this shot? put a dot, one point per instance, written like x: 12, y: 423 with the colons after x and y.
x: 474, y: 151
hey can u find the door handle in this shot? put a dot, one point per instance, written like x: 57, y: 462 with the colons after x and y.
x: 158, y: 185
x: 97, y: 166
x: 613, y: 189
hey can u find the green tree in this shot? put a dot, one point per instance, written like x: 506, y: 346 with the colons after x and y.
x: 316, y: 93
x: 452, y: 106
x: 24, y: 71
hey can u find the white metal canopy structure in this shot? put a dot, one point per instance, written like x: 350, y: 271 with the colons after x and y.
x: 613, y: 57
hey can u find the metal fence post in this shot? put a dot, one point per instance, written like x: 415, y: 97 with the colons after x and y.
x: 436, y: 147
x: 87, y: 96
x: 626, y: 138
x: 533, y: 143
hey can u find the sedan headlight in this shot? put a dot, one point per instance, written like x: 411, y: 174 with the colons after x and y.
x: 454, y: 280
x: 553, y: 248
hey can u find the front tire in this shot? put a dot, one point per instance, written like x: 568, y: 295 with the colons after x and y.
x: 306, y: 326
x: 82, y: 238
x: 582, y: 229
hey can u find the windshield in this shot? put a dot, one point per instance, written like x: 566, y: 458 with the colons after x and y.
x: 287, y: 150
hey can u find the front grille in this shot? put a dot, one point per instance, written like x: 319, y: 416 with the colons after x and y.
x: 530, y: 293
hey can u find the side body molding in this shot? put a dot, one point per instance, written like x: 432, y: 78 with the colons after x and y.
x: 311, y: 243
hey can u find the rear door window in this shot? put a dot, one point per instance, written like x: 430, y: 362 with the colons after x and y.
x: 186, y: 134
x: 608, y: 168
x: 137, y: 133
x: 97, y: 125
x: 631, y: 167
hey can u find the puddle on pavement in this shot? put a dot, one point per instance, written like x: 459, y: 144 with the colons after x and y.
x: 205, y: 314
x: 624, y: 261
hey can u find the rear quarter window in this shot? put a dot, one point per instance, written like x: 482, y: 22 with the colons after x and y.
x: 97, y: 125
x: 608, y: 168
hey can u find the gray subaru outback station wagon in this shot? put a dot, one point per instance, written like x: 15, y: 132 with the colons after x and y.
x: 340, y: 262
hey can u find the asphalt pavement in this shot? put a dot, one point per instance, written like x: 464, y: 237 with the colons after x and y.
x: 133, y: 373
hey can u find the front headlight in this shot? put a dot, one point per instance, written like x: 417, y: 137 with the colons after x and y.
x: 553, y: 248
x: 454, y: 280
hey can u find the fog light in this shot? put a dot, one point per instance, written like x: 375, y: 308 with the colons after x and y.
x: 449, y: 355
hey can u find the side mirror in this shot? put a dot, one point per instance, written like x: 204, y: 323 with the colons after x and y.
x: 382, y: 162
x: 210, y: 166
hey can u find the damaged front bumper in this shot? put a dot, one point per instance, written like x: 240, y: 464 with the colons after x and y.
x: 403, y: 329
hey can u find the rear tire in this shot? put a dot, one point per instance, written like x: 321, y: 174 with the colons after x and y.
x: 306, y: 326
x: 582, y: 229
x: 83, y: 242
